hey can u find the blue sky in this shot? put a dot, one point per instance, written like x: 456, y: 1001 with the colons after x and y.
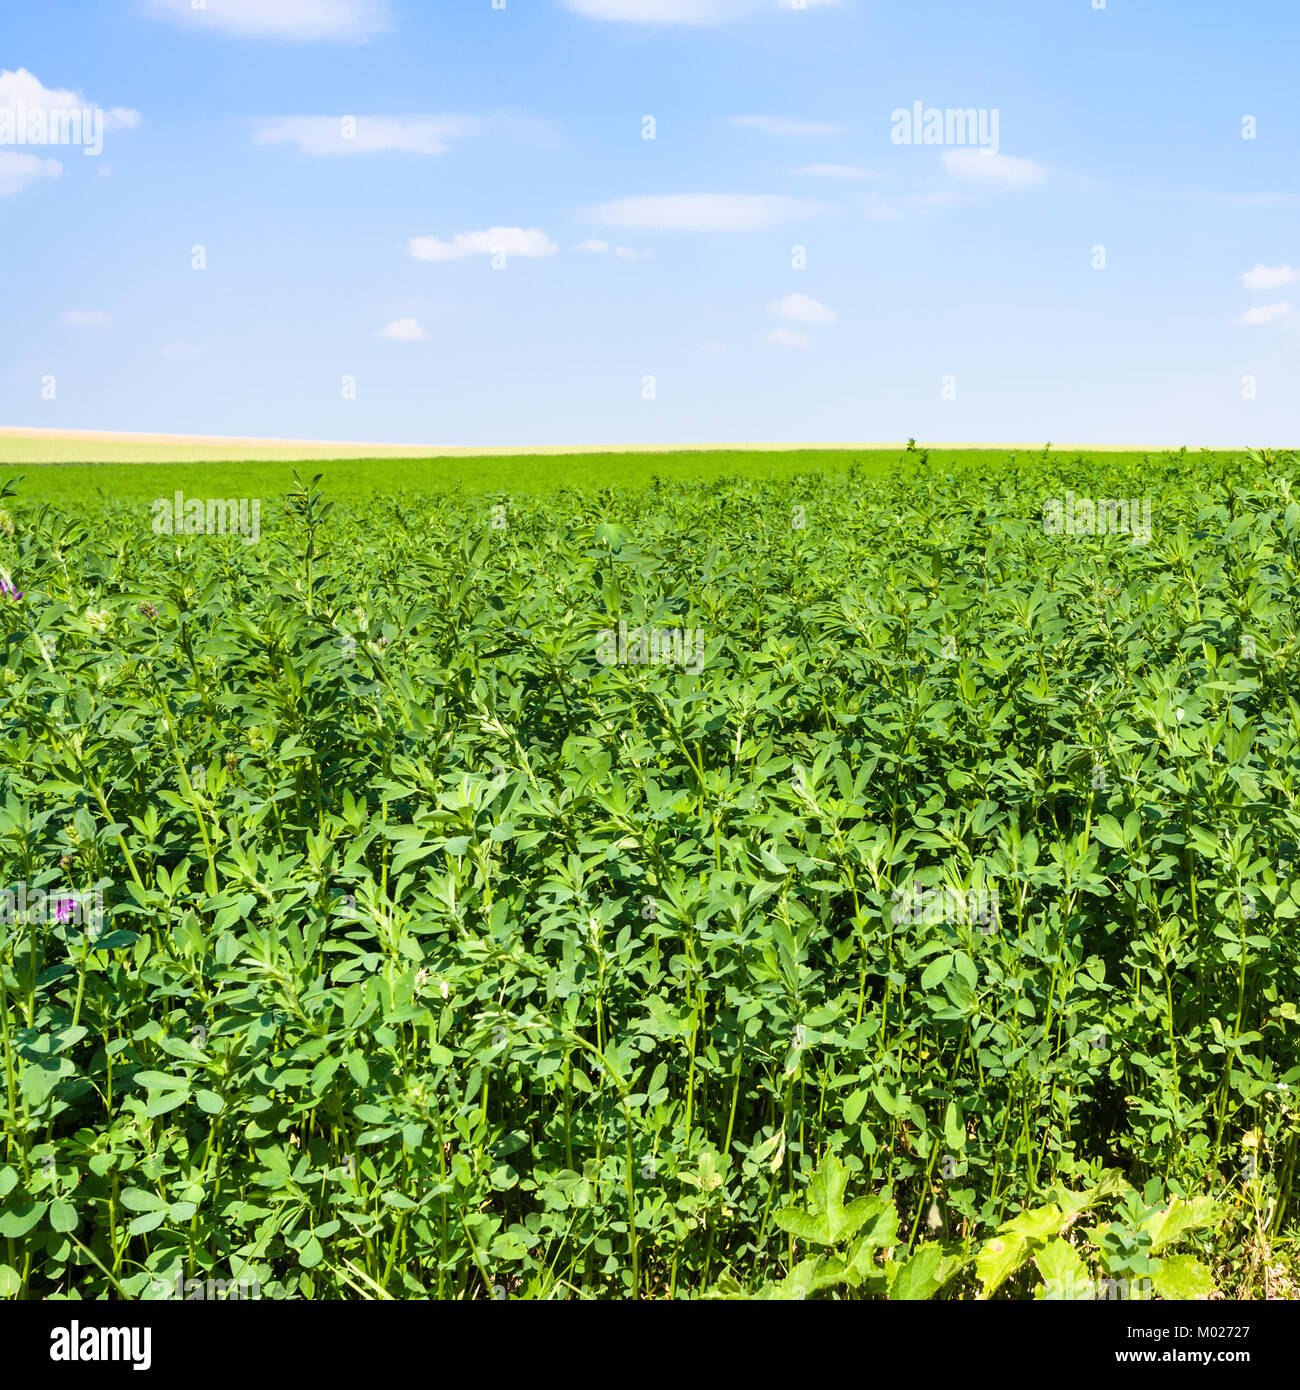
x: 944, y: 292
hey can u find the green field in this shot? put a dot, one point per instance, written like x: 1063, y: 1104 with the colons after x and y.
x: 701, y: 875
x: 496, y: 474
x: 143, y: 478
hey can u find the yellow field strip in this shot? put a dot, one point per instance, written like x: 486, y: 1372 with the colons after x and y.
x: 39, y: 446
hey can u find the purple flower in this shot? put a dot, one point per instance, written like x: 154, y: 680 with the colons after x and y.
x: 8, y: 590
x: 64, y: 909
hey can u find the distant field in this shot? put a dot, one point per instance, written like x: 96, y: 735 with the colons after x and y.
x: 526, y: 474
x: 143, y: 469
x: 19, y: 445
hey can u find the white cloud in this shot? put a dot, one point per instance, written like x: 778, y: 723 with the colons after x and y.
x: 1265, y: 277
x: 783, y: 125
x: 706, y: 212
x: 24, y: 89
x: 1254, y: 200
x: 280, y: 19
x: 661, y: 11
x: 331, y: 135
x: 18, y: 170
x: 82, y: 318
x: 926, y: 201
x: 20, y: 86
x: 697, y: 12
x: 342, y: 135
x: 404, y: 331
x: 801, y: 308
x: 876, y: 210
x: 1002, y: 170
x: 181, y: 348
x: 624, y: 253
x: 514, y: 241
x: 787, y: 338
x: 842, y: 171
x: 1268, y: 313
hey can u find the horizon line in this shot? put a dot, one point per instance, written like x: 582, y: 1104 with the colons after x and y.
x: 366, y: 449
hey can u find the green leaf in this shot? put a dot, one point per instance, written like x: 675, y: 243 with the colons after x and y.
x: 1180, y: 1217
x: 63, y: 1216
x: 17, y: 1218
x: 936, y: 972
x: 1109, y: 832
x: 1037, y: 1225
x: 141, y: 1199
x: 1065, y: 1276
x: 1013, y: 1244
x: 922, y: 1276
x: 162, y: 1081
x: 826, y: 1221
x: 160, y: 1102
x: 150, y: 1221
x: 998, y: 1259
x: 1183, y: 1277
x: 808, y: 1277
x: 954, y: 1128
x: 39, y: 1079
